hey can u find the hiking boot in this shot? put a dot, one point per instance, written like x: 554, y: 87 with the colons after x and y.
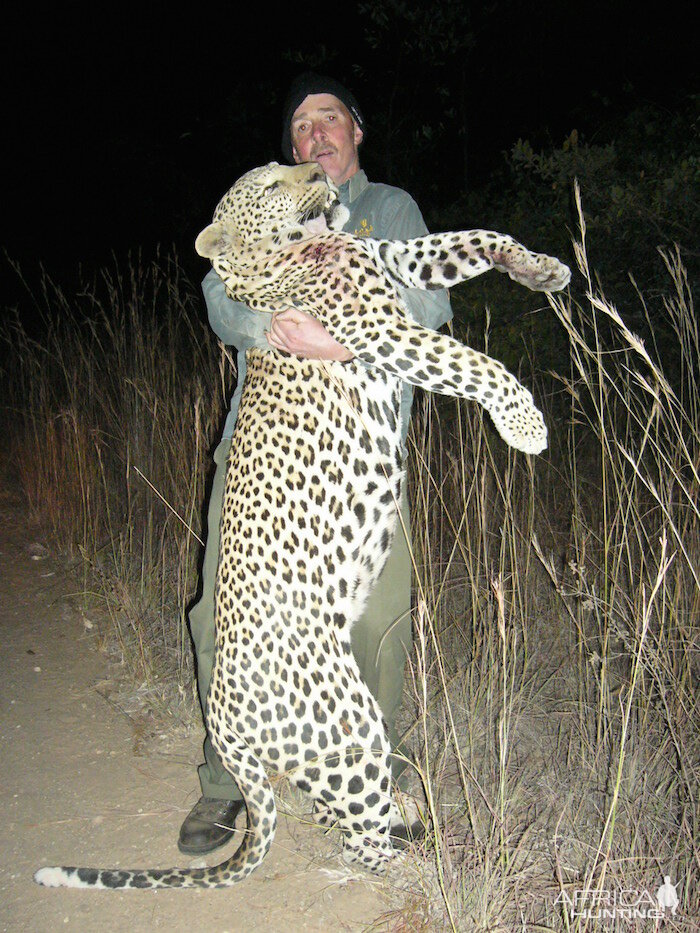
x: 403, y: 835
x: 208, y: 825
x: 408, y: 823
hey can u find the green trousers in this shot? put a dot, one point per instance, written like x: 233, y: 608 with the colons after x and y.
x: 381, y: 639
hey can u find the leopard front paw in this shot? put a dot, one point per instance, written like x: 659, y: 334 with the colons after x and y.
x: 520, y: 424
x: 540, y: 273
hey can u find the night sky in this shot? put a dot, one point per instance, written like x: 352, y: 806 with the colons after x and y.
x: 126, y: 125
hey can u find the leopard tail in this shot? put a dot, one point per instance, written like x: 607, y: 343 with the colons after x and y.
x: 262, y: 822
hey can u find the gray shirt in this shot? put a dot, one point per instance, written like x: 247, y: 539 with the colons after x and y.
x: 376, y: 210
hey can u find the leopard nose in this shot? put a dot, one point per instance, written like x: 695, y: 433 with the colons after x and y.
x: 316, y: 173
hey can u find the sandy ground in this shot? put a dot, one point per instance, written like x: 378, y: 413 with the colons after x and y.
x: 78, y: 787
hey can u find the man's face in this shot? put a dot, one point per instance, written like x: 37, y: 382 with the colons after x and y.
x: 323, y: 131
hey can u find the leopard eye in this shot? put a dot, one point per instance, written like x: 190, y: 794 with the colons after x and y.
x: 270, y: 188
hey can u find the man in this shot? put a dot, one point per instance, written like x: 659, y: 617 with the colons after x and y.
x: 322, y: 123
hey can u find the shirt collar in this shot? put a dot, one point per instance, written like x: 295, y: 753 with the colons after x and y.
x: 351, y: 189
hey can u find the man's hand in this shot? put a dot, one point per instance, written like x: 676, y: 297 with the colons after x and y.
x: 302, y: 335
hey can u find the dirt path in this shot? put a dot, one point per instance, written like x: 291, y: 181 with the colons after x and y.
x: 77, y: 788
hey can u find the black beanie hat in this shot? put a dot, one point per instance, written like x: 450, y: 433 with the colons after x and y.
x: 310, y: 83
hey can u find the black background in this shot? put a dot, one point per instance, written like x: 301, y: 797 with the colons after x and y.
x: 124, y: 126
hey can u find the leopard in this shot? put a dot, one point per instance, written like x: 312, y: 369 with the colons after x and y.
x: 314, y: 476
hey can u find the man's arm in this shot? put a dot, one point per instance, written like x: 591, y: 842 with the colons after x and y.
x: 232, y: 321
x: 301, y: 334
x: 292, y: 330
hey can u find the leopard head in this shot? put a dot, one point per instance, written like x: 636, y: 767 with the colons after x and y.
x: 269, y: 200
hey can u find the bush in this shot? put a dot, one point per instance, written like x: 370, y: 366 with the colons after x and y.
x: 639, y: 190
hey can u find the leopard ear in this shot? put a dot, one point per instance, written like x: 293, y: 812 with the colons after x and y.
x: 213, y: 241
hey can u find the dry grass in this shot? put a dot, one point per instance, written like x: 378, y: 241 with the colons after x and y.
x: 553, y: 710
x: 556, y: 711
x: 122, y: 392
